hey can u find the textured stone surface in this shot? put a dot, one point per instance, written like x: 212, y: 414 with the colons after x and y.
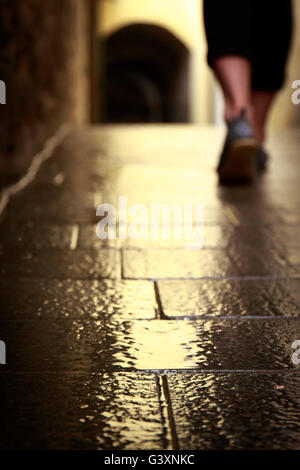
x: 54, y: 299
x: 53, y: 206
x: 88, y: 239
x: 258, y: 298
x: 42, y: 61
x: 37, y: 236
x: 82, y: 350
x: 208, y: 344
x: 236, y: 411
x: 288, y: 236
x: 155, y: 264
x: 217, y: 263
x: 293, y: 255
x: 61, y: 264
x: 95, y: 411
x: 86, y: 344
x: 210, y: 237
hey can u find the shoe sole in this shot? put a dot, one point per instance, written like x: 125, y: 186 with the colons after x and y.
x: 240, y: 165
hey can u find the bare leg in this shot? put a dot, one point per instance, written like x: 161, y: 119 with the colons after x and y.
x: 234, y: 75
x: 238, y: 158
x: 262, y: 102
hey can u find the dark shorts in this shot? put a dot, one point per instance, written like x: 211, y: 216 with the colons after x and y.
x: 259, y: 30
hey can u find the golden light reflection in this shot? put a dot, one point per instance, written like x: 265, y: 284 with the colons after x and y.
x: 170, y: 345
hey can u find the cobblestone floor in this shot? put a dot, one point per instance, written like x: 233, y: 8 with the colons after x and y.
x: 136, y: 344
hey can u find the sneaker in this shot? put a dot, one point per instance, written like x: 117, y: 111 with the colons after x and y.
x: 238, y: 163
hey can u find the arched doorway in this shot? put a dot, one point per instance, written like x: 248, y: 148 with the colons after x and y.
x: 146, y: 76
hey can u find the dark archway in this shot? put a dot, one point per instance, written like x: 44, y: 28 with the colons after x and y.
x: 146, y: 76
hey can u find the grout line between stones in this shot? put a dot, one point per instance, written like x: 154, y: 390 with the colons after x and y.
x: 166, y: 434
x: 74, y: 237
x: 172, y: 424
x: 122, y: 274
x: 159, y: 310
x: 48, y: 150
x: 158, y: 372
x: 294, y: 277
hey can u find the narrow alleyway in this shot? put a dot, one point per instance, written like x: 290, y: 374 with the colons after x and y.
x: 136, y: 344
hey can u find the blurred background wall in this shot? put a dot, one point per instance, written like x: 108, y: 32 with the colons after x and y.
x: 137, y: 31
x: 109, y: 61
x: 285, y: 113
x: 44, y: 61
x: 162, y: 65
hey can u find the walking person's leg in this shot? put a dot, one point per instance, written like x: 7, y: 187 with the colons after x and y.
x: 229, y: 34
x: 248, y: 57
x: 234, y: 75
x: 261, y: 105
x: 273, y: 28
x: 230, y: 54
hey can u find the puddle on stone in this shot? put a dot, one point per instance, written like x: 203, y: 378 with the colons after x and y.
x: 161, y: 347
x: 210, y: 344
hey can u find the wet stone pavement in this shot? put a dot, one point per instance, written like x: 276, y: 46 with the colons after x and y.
x: 150, y: 344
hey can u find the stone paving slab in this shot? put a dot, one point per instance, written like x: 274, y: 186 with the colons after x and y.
x: 72, y: 412
x: 61, y: 264
x: 203, y: 263
x: 258, y: 214
x: 38, y: 299
x: 260, y: 259
x: 156, y: 264
x: 79, y: 346
x: 288, y: 236
x: 280, y: 237
x: 291, y: 217
x: 210, y: 298
x: 52, y: 206
x: 146, y: 185
x: 61, y: 345
x: 230, y: 411
x: 293, y: 255
x: 37, y: 236
x: 208, y: 344
x: 82, y: 344
x: 178, y: 146
x: 213, y: 237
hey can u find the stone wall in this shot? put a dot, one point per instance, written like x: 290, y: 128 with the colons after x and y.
x: 44, y: 63
x: 285, y: 113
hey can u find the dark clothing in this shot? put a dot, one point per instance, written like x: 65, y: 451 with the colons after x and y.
x: 259, y: 30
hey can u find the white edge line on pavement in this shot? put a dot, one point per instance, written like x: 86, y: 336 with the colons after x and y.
x: 74, y: 237
x: 49, y: 147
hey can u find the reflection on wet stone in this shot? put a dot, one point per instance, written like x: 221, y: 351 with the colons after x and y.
x: 85, y: 344
x: 226, y: 344
x: 94, y: 328
x: 55, y: 299
x: 236, y: 411
x: 61, y: 264
x: 103, y: 411
x: 205, y: 298
x: 155, y: 264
